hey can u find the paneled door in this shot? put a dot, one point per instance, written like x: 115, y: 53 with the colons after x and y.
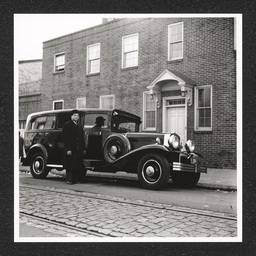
x: 175, y: 122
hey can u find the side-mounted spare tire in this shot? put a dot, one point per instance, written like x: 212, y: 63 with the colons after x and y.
x: 153, y: 171
x: 115, y: 146
x: 38, y: 166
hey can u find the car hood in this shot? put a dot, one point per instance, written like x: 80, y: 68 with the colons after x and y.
x: 140, y: 139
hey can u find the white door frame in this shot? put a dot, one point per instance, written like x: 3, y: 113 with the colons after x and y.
x: 165, y: 110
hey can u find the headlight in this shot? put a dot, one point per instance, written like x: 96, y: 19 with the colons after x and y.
x: 158, y: 141
x: 190, y: 146
x: 174, y: 141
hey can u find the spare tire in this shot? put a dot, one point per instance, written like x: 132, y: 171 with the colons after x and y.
x: 115, y: 146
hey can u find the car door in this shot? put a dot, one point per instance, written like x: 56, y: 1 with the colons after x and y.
x: 95, y: 136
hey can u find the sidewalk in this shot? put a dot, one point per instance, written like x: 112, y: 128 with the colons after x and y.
x: 219, y: 179
x: 225, y: 179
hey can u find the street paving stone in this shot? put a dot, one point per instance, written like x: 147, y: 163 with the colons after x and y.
x: 118, y: 218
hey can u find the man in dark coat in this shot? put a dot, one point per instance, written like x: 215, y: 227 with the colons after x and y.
x: 74, y: 149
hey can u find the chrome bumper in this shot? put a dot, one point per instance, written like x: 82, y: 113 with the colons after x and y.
x: 180, y: 167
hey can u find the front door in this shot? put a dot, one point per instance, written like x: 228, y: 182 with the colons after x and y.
x: 175, y: 122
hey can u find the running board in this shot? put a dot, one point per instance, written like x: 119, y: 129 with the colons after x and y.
x: 54, y: 166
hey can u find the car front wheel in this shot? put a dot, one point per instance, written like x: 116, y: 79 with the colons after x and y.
x: 153, y: 171
x: 38, y: 166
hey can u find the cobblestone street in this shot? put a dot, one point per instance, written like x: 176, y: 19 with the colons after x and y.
x: 117, y: 217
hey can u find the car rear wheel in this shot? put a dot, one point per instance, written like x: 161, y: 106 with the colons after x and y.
x: 115, y: 146
x: 38, y: 166
x: 153, y: 171
x: 185, y: 179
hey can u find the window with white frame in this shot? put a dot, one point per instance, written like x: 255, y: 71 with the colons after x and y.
x: 81, y: 102
x: 93, y: 58
x: 203, y: 104
x: 59, y: 62
x: 175, y: 41
x: 22, y: 124
x: 107, y: 101
x: 130, y: 46
x: 58, y: 104
x: 149, y: 110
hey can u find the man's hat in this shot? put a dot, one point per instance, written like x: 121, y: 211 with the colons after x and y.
x: 100, y: 119
x: 75, y: 111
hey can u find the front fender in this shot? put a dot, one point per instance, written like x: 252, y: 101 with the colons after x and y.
x: 192, y: 154
x: 129, y: 161
x: 35, y: 148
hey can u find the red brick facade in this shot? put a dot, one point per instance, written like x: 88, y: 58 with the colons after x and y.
x: 209, y: 58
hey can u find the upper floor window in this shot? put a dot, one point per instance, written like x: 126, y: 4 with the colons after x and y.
x: 59, y: 62
x: 203, y: 104
x: 107, y: 101
x: 175, y: 41
x: 93, y: 58
x: 130, y: 46
x: 58, y: 104
x: 81, y: 102
x: 149, y: 112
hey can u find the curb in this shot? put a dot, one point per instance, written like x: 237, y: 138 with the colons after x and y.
x: 109, y: 175
x: 216, y: 187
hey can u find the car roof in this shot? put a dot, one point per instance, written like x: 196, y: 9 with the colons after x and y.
x: 83, y: 110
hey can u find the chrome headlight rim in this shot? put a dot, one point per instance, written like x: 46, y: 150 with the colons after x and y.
x: 174, y: 141
x: 190, y: 146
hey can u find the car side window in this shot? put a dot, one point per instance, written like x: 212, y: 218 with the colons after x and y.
x: 38, y: 123
x: 42, y: 122
x: 95, y: 120
x: 50, y: 122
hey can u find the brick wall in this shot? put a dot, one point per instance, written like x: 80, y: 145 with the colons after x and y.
x: 30, y: 78
x: 209, y: 59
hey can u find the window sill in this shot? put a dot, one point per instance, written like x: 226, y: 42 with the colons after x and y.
x: 129, y: 68
x: 203, y: 132
x: 58, y: 72
x: 93, y: 74
x: 173, y: 61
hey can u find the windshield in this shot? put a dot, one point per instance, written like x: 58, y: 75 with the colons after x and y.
x: 124, y: 123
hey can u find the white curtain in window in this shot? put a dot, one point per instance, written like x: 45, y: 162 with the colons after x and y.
x: 94, y: 52
x: 107, y: 102
x: 81, y: 103
x: 150, y: 112
x: 60, y: 60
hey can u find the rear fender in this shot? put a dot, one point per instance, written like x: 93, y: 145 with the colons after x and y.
x: 35, y: 148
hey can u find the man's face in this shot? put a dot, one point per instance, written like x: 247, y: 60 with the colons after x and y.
x: 75, y: 117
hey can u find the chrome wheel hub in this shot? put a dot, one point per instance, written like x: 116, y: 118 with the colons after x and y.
x: 150, y: 171
x: 113, y: 150
x: 37, y: 164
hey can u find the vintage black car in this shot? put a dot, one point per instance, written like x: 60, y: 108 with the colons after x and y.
x: 116, y: 146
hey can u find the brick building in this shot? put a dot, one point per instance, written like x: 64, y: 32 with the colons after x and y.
x: 30, y: 79
x: 178, y: 74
